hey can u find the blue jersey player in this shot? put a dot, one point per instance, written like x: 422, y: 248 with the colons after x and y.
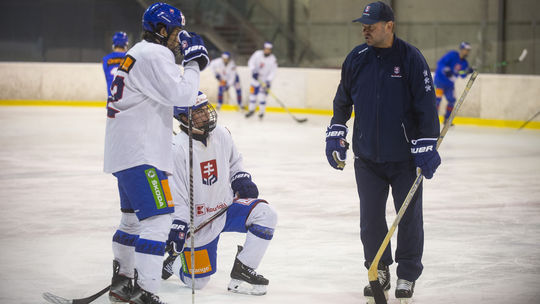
x: 452, y: 65
x: 388, y: 84
x: 112, y: 61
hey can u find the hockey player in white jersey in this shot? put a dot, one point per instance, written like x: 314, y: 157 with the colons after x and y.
x: 138, y: 149
x: 224, y: 69
x: 219, y: 181
x: 263, y: 66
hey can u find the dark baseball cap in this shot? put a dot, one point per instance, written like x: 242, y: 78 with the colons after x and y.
x: 375, y: 12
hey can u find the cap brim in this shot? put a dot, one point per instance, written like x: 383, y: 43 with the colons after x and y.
x: 365, y: 20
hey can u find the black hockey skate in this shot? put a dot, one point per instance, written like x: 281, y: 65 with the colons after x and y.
x: 121, y: 286
x: 249, y: 114
x: 261, y: 115
x: 141, y: 296
x: 242, y: 275
x: 404, y: 291
x: 383, y: 275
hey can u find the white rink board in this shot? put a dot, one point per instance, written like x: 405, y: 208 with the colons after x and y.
x: 493, y: 96
x: 481, y: 210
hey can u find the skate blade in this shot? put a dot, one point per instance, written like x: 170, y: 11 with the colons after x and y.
x: 371, y: 300
x: 113, y: 298
x: 242, y: 287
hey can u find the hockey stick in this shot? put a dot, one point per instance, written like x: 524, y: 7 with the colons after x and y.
x: 505, y: 63
x: 376, y: 288
x: 191, y: 206
x: 528, y: 121
x: 299, y: 120
x: 51, y: 298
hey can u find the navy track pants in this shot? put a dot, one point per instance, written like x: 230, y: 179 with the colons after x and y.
x: 373, y: 181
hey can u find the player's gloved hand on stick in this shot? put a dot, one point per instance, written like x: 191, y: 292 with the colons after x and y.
x: 193, y: 49
x: 177, y: 236
x: 425, y: 155
x: 336, y: 145
x: 255, y: 76
x: 243, y: 187
x: 266, y: 86
x: 447, y: 71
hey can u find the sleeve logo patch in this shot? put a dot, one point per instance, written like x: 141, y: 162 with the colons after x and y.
x: 127, y: 64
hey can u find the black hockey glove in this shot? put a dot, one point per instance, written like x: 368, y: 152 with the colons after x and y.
x: 447, y: 71
x: 243, y: 187
x: 426, y: 156
x: 193, y: 49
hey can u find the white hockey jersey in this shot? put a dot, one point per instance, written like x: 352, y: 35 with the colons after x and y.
x: 227, y: 71
x: 139, y: 121
x: 213, y: 166
x: 266, y: 66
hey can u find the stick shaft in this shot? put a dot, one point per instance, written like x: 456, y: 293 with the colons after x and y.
x: 281, y: 103
x: 528, y: 121
x: 191, y: 205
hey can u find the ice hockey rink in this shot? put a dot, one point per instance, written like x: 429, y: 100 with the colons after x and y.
x: 481, y: 212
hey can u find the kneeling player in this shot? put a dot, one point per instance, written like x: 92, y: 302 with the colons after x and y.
x: 219, y: 182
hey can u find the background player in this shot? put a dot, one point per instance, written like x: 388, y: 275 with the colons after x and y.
x: 449, y: 67
x: 224, y: 68
x: 219, y: 182
x: 263, y: 66
x: 138, y: 148
x: 111, y: 61
x: 388, y: 84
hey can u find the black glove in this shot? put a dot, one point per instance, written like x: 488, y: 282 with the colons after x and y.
x: 447, y: 71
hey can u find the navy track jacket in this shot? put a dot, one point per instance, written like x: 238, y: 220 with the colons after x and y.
x: 393, y: 96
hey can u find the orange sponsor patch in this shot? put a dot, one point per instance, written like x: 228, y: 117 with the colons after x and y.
x: 439, y: 92
x: 202, y: 262
x: 167, y: 191
x: 127, y: 64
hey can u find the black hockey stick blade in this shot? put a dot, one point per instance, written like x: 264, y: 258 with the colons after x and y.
x: 166, y: 270
x: 529, y: 120
x: 51, y: 298
x: 378, y: 293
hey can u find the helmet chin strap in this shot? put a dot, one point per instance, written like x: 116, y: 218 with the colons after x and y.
x: 200, y: 135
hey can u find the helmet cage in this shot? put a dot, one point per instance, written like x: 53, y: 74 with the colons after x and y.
x: 204, y: 117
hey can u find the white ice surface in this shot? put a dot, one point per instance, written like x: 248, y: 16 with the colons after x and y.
x: 58, y: 212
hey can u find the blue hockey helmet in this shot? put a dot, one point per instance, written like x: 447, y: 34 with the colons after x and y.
x: 465, y: 45
x: 225, y: 55
x: 162, y: 13
x: 203, y: 114
x: 120, y: 39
